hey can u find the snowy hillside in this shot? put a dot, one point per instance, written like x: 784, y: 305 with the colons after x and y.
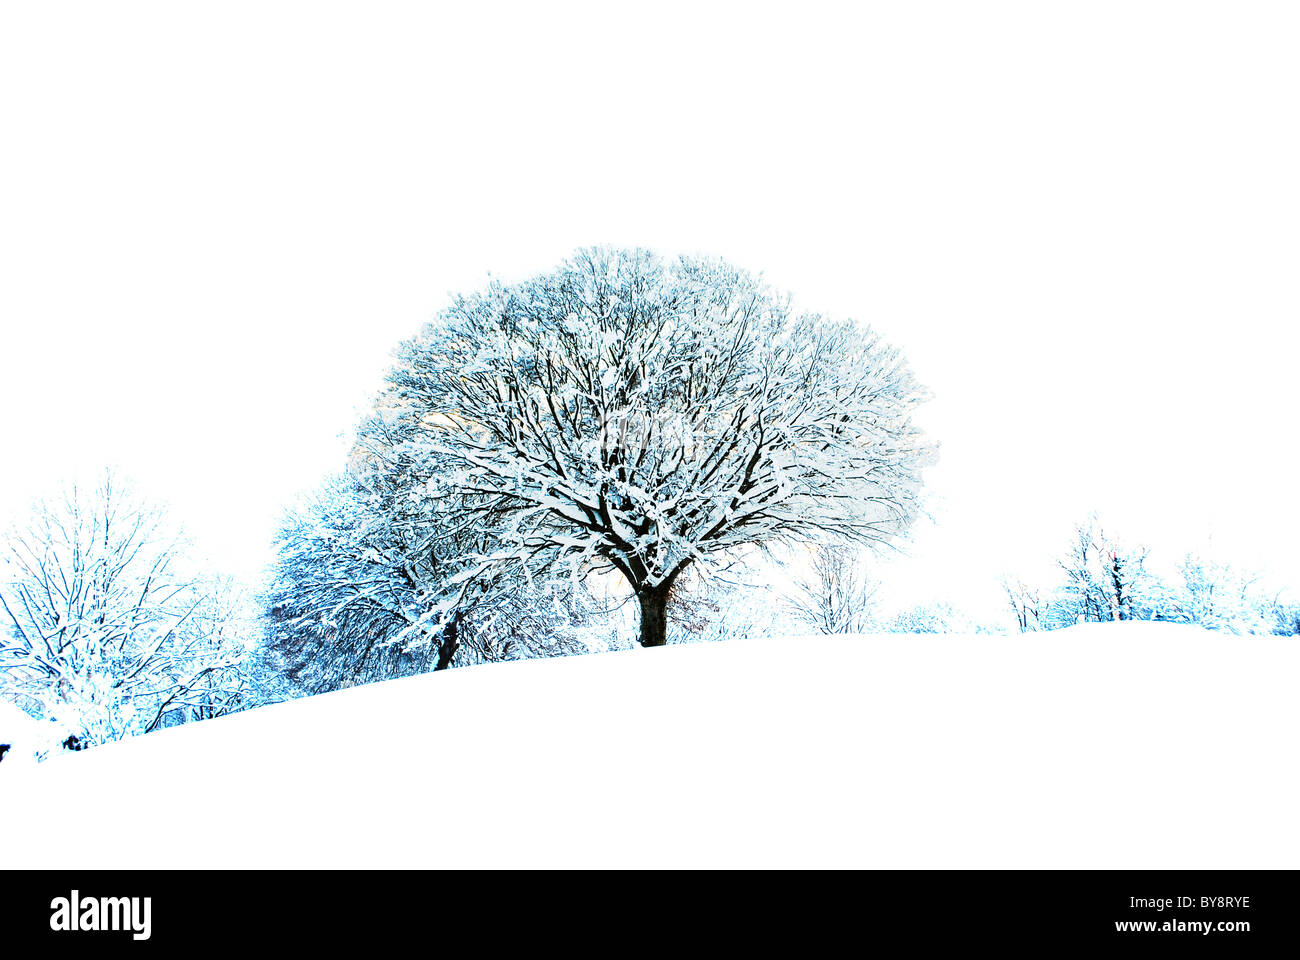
x: 1118, y: 745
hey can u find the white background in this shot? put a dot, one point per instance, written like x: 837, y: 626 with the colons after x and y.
x: 1080, y: 221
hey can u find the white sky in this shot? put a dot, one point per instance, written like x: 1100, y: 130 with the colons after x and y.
x: 1081, y: 225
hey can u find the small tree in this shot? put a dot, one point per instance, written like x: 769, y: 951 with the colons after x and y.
x: 108, y: 633
x: 838, y: 597
x: 1026, y: 603
x: 1105, y: 580
x: 641, y: 415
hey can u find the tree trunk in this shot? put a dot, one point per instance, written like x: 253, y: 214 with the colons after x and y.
x: 450, y: 642
x: 654, y: 616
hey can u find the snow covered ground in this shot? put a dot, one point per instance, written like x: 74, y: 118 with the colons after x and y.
x: 1119, y: 745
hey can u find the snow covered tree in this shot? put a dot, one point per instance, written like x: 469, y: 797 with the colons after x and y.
x: 838, y: 596
x: 332, y: 603
x: 724, y: 605
x: 1026, y: 603
x: 637, y: 414
x: 107, y: 632
x: 1105, y: 580
x: 359, y: 576
x: 1220, y: 596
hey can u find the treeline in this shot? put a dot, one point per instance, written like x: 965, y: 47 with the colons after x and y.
x: 1104, y: 578
x: 111, y: 630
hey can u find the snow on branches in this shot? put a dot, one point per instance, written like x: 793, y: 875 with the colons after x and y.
x: 640, y: 414
x: 103, y: 630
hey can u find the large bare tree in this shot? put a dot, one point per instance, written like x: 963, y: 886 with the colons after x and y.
x: 639, y: 414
